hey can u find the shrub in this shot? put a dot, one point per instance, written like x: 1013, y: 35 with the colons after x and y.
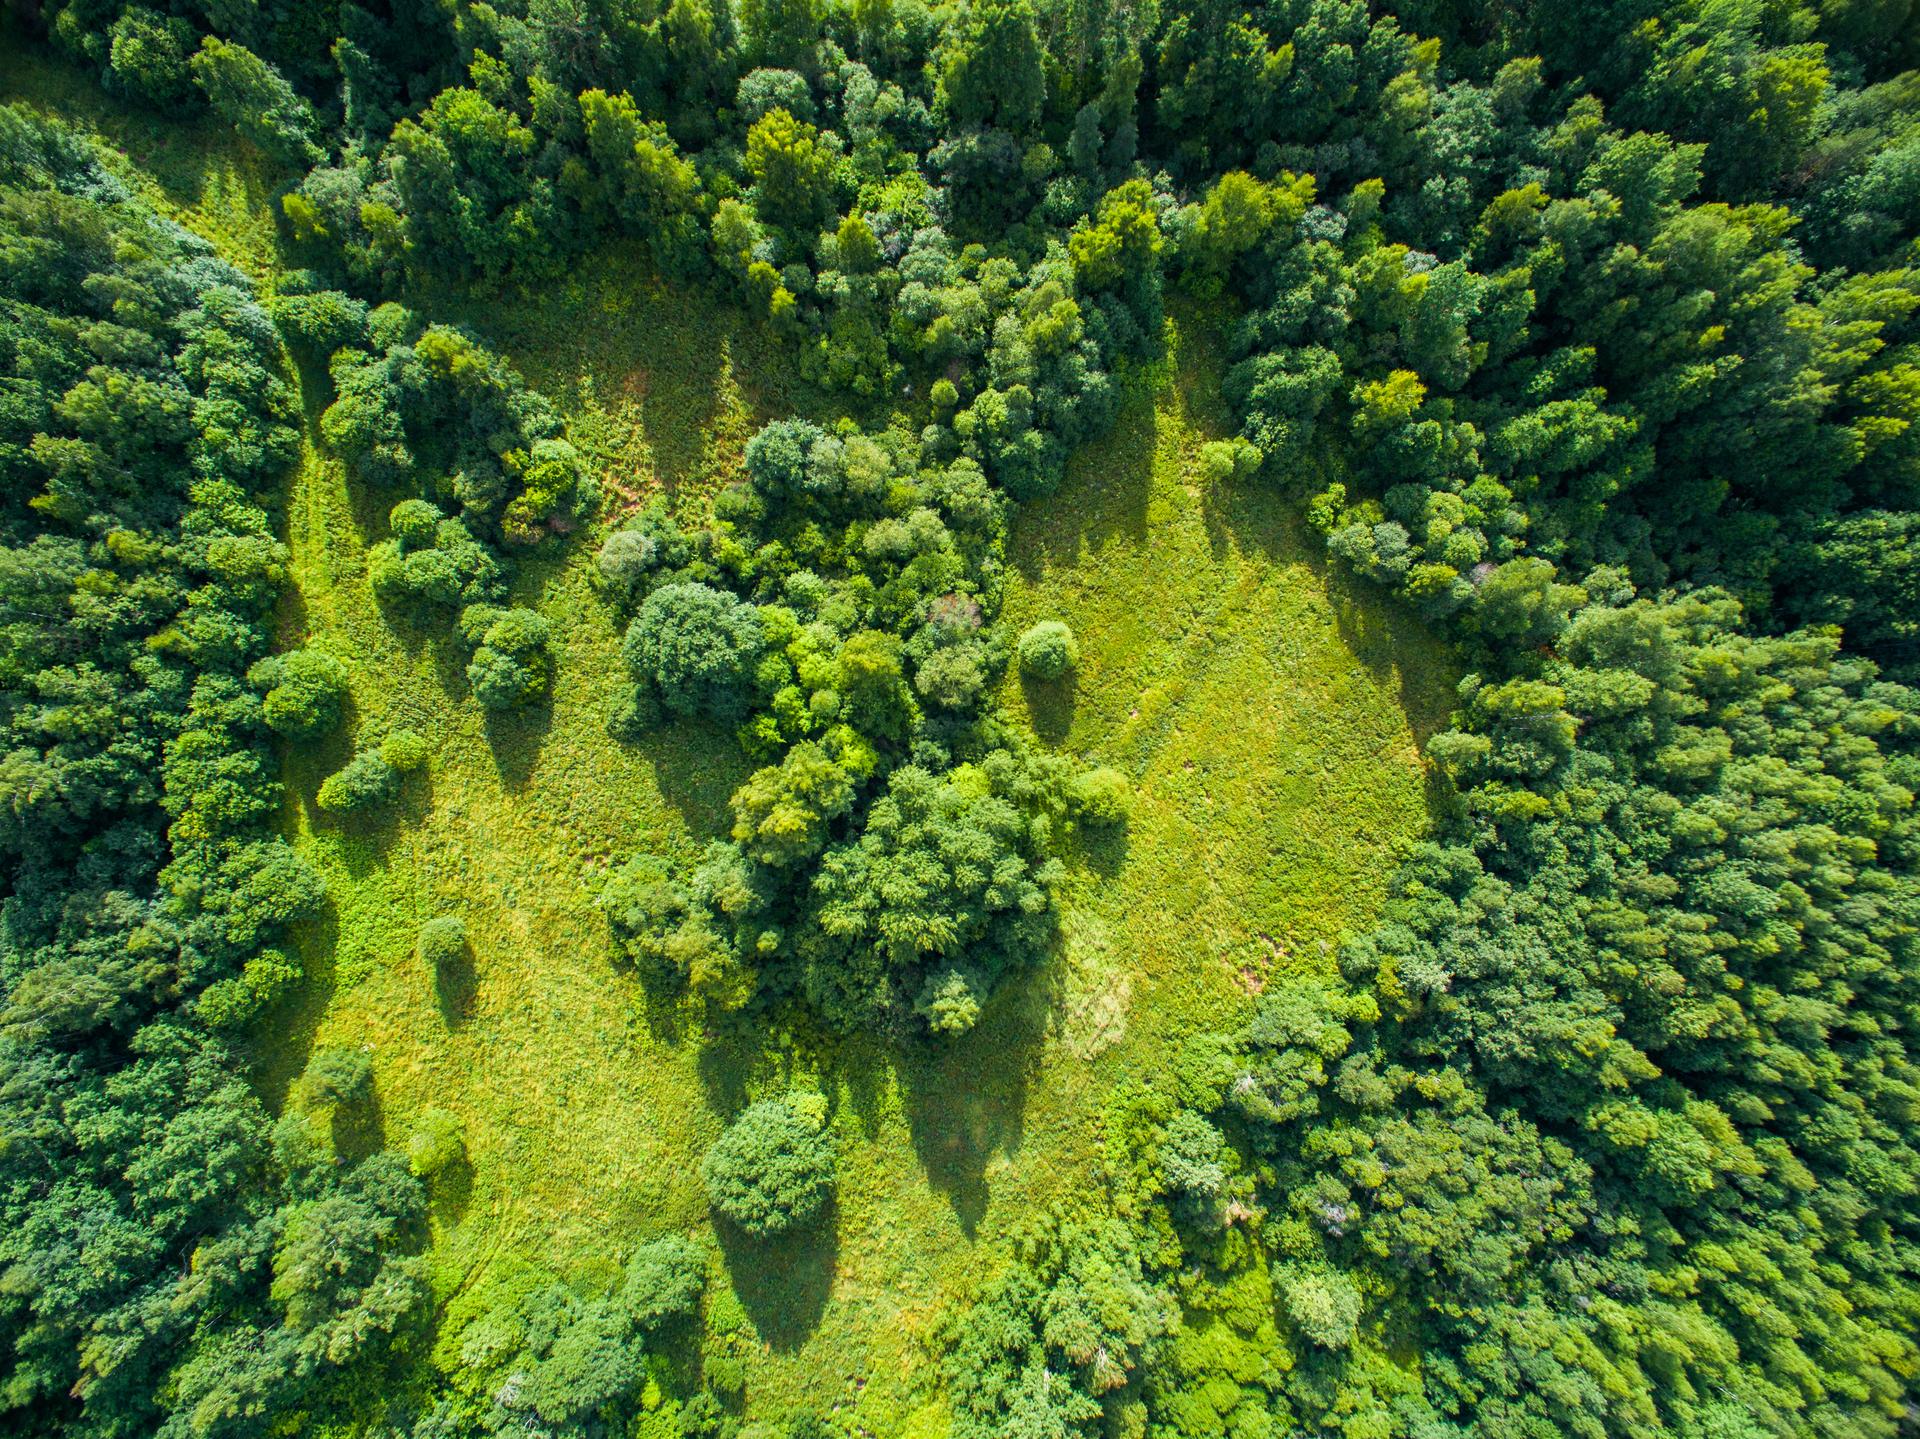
x: 442, y: 942
x: 365, y: 782
x: 1048, y: 651
x: 306, y: 692
x: 321, y: 322
x: 438, y: 1141
x: 771, y: 1172
x: 513, y: 665
x: 405, y: 750
x: 1101, y: 797
x: 415, y: 523
x: 1223, y: 460
x: 231, y: 1003
x: 949, y: 1001
x: 663, y: 1281
x: 336, y: 1078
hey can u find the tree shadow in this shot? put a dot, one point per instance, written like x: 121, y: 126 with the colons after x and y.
x: 359, y: 1130
x: 456, y: 988
x: 1102, y: 498
x: 783, y: 1283
x: 760, y: 1049
x: 451, y: 1191
x: 279, y: 1042
x: 1050, y: 706
x: 1382, y: 638
x: 516, y: 737
x: 697, y: 765
x: 1103, y: 848
x: 966, y: 1098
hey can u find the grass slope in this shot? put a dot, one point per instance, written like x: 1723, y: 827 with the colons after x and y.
x: 1268, y: 718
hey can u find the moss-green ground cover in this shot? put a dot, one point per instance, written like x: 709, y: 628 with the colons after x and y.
x: 1268, y: 720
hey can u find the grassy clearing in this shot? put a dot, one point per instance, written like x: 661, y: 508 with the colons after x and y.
x: 1264, y: 714
x: 1268, y: 714
x: 1260, y: 712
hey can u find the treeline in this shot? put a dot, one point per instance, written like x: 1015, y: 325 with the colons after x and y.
x: 176, y: 1261
x: 1588, y: 333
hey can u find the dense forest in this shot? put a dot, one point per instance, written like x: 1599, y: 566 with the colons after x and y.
x: 1587, y: 334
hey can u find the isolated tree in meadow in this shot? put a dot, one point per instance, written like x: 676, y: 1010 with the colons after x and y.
x: 1048, y: 651
x: 442, y: 942
x: 771, y: 1172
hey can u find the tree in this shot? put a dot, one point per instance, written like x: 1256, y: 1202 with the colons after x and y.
x: 1053, y: 1345
x: 442, y: 942
x: 771, y: 1172
x: 663, y: 1282
x: 257, y: 100
x: 792, y: 170
x: 944, y: 872
x: 1048, y: 651
x: 513, y: 664
x: 693, y: 648
x: 306, y: 691
x: 782, y: 814
x: 992, y: 68
x: 365, y: 782
x: 438, y: 1142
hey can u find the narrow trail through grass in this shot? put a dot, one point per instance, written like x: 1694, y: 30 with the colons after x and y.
x: 1268, y: 719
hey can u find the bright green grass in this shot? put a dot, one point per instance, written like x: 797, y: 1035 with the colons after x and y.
x: 1260, y: 711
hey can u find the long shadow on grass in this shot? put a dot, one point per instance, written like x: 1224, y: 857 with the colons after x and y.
x: 516, y: 737
x: 783, y: 1283
x: 359, y: 1129
x: 1050, y: 705
x: 456, y: 986
x: 451, y: 1190
x: 280, y: 1040
x: 1102, y: 499
x: 966, y: 1098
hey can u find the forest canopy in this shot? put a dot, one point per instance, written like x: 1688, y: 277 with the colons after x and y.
x: 1589, y: 336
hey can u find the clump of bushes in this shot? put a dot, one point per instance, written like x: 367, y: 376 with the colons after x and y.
x: 512, y: 661
x: 438, y: 1142
x: 772, y: 1171
x: 1048, y: 651
x: 367, y: 781
x: 1100, y: 798
x: 335, y: 1079
x: 306, y: 692
x: 405, y: 750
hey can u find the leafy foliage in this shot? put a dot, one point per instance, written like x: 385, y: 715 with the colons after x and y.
x: 771, y: 1172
